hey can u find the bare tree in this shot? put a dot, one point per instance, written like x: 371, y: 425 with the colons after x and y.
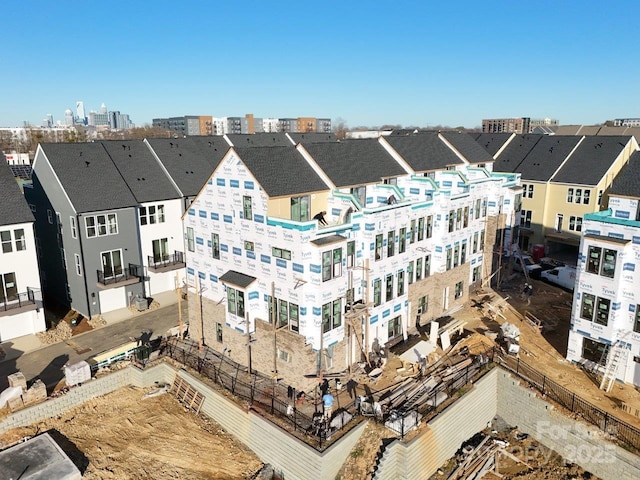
x: 340, y: 128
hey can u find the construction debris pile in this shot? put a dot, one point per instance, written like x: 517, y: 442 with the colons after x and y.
x: 18, y: 396
x: 61, y: 333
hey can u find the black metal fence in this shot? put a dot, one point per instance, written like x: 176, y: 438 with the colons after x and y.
x: 17, y: 300
x: 162, y: 261
x: 626, y: 434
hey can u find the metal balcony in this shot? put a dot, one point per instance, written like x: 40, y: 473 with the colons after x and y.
x: 119, y: 276
x: 166, y: 263
x: 18, y: 303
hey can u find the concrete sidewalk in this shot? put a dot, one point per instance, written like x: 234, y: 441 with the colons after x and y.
x: 18, y: 346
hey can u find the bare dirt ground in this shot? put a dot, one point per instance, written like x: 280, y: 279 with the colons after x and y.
x: 122, y: 436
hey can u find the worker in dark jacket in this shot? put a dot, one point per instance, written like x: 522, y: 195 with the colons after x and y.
x: 320, y: 218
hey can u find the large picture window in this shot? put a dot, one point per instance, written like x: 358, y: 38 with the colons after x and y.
x: 587, y: 307
x: 331, y: 264
x: 151, y: 214
x: 101, y: 225
x: 235, y: 302
x: 300, y: 208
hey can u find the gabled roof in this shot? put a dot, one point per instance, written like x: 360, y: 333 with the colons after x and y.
x: 424, y: 152
x: 492, y: 142
x: 281, y: 171
x: 514, y: 153
x: 259, y: 140
x: 568, y: 129
x: 13, y: 206
x: 627, y: 182
x: 140, y: 170
x: 312, y: 137
x: 354, y: 162
x: 468, y: 147
x: 190, y: 161
x: 88, y: 175
x: 591, y: 160
x: 328, y: 240
x: 546, y: 156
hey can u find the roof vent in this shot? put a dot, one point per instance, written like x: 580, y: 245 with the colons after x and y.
x: 85, y: 162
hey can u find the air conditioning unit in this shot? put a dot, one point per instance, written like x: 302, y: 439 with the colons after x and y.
x: 419, y: 310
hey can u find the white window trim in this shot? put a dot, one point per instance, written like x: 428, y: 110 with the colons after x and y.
x: 78, y: 264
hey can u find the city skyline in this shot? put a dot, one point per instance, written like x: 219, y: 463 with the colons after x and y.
x: 420, y: 65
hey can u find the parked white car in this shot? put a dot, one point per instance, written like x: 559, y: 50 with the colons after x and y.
x: 532, y: 267
x: 564, y: 277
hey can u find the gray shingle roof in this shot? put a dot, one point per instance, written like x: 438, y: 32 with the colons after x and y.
x: 354, y: 162
x: 236, y: 278
x: 591, y: 160
x: 492, y: 142
x: 88, y: 175
x: 313, y: 137
x: 328, y: 240
x: 13, y: 206
x: 627, y: 182
x: 190, y: 161
x: 281, y: 171
x: 468, y: 147
x: 424, y: 152
x: 145, y: 177
x: 259, y: 140
x: 514, y: 153
x: 546, y: 156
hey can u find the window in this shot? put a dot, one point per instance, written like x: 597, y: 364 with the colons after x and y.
x: 412, y: 238
x: 351, y: 253
x: 101, y: 225
x: 191, y: 246
x: 419, y: 269
x: 50, y: 216
x: 475, y: 274
x: 600, y: 192
x: 32, y: 207
x: 300, y: 208
x: 609, y: 263
x: 21, y: 241
x: 423, y: 304
x: 585, y: 198
x: 283, y: 313
x: 281, y: 253
x: 448, y: 265
x: 8, y: 287
x: 331, y: 264
x: 394, y: 327
x: 570, y: 195
x: 458, y: 219
x: 518, y: 202
x: 636, y: 323
x: 402, y: 241
x: 111, y: 263
x: 215, y: 244
x: 389, y: 289
x: 525, y: 218
x: 391, y: 245
x: 410, y: 268
x: 429, y: 226
x: 458, y: 291
x: 59, y: 222
x: 5, y: 240
x: 530, y: 192
x: 379, y: 247
x: 401, y: 283
x: 484, y: 207
x: 235, y: 302
x: 377, y: 293
x: 421, y: 228
x: 481, y: 241
x: 463, y: 253
x: 575, y: 224
x: 465, y: 218
x: 247, y: 208
x: 331, y: 316
x: 602, y: 311
x: 249, y: 246
x: 160, y: 248
x: 593, y: 260
x: 451, y: 221
x: 152, y: 214
x: 361, y: 194
x: 427, y: 266
x: 456, y: 255
x: 587, y: 307
x: 475, y: 243
x: 476, y: 210
x: 219, y: 332
x: 578, y: 195
x: 74, y: 227
x: 78, y: 264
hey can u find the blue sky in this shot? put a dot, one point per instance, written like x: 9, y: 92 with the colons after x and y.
x: 369, y: 63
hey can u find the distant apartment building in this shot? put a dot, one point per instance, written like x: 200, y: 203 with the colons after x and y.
x: 626, y: 122
x: 188, y: 125
x: 515, y: 125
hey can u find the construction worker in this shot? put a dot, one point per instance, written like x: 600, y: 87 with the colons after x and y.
x: 327, y: 403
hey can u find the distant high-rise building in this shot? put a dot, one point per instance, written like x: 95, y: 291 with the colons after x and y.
x: 515, y: 125
x: 81, y: 117
x: 626, y: 122
x: 68, y: 117
x: 103, y: 108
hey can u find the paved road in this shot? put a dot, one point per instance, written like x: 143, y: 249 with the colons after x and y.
x: 47, y: 362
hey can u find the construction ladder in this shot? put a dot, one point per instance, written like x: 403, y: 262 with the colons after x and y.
x: 518, y: 254
x: 614, y: 354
